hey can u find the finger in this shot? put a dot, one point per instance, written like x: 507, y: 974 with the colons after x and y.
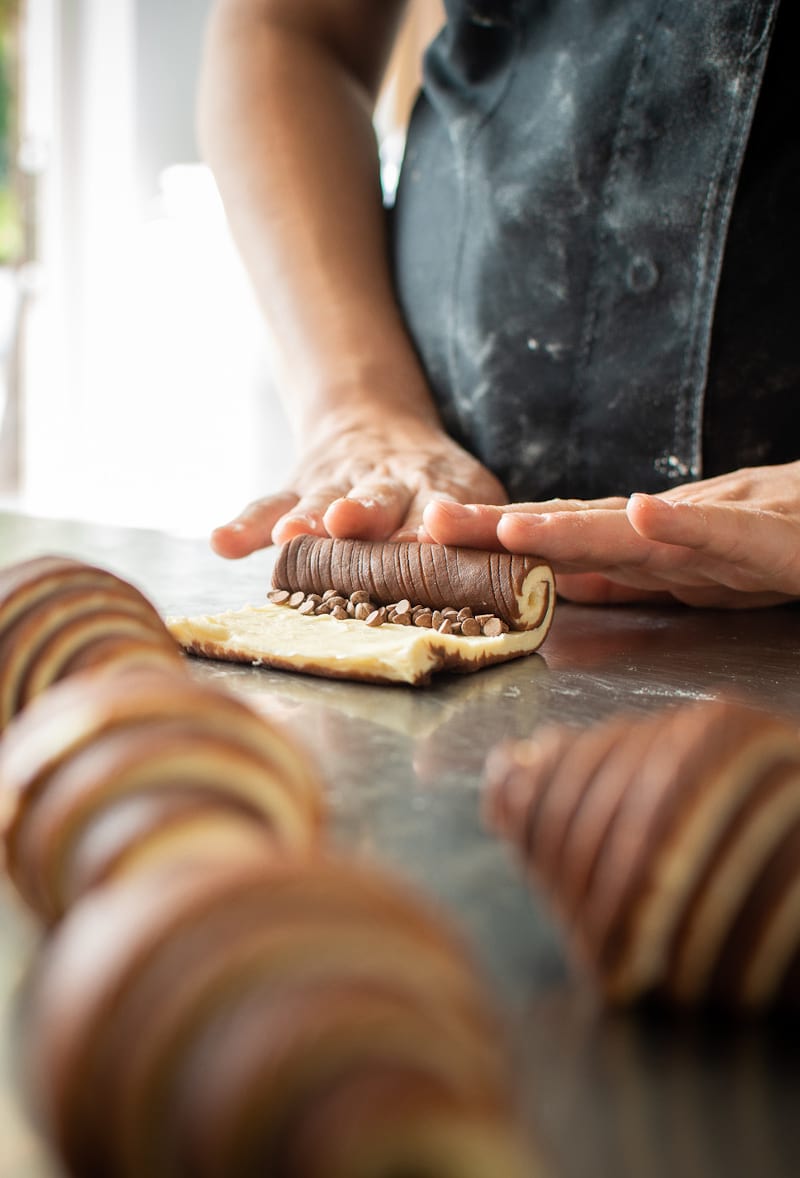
x: 412, y: 527
x: 306, y: 516
x: 764, y: 543
x: 252, y: 528
x: 474, y: 525
x: 371, y: 510
x: 593, y: 540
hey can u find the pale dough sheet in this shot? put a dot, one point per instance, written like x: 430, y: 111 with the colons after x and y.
x: 276, y: 636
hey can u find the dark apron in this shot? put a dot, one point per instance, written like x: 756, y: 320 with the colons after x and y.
x: 595, y: 240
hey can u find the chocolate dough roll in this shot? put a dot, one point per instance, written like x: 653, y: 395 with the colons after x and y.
x: 58, y: 614
x: 669, y: 845
x: 435, y: 575
x: 109, y: 773
x: 310, y: 1019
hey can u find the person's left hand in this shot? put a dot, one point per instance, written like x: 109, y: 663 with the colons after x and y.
x: 732, y: 541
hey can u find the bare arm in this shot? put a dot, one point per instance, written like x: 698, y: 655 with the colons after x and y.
x: 285, y: 120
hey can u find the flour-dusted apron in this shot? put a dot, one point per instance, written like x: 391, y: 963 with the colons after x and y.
x: 595, y: 238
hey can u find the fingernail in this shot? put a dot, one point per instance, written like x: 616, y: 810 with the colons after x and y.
x: 640, y: 497
x: 453, y: 509
x: 526, y: 518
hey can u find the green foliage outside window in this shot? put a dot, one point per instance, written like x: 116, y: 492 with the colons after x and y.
x: 11, y: 226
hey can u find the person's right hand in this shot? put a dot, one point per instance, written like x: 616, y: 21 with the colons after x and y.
x: 363, y: 480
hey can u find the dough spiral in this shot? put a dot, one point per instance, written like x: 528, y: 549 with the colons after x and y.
x: 670, y: 847
x: 103, y: 774
x: 59, y: 616
x: 518, y: 589
x: 299, y: 1019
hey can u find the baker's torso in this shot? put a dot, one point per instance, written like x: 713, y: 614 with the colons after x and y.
x: 580, y: 233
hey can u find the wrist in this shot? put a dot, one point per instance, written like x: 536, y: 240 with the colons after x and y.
x: 363, y: 405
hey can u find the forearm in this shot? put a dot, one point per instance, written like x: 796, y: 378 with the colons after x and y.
x: 285, y: 119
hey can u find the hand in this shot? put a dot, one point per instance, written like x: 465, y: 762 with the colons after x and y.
x: 732, y: 541
x: 366, y: 480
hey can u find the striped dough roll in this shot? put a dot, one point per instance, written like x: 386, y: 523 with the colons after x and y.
x: 102, y: 774
x: 58, y: 615
x: 517, y: 589
x: 670, y: 846
x: 302, y: 1020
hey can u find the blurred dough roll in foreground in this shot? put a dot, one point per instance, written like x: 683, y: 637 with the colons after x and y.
x: 108, y: 774
x: 301, y: 1019
x: 59, y: 616
x: 670, y: 848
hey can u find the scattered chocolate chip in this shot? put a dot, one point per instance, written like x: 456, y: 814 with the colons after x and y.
x: 458, y: 622
x: 493, y: 628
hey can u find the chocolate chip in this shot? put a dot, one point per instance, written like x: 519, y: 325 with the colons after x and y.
x: 482, y: 619
x: 445, y: 627
x: 307, y: 608
x: 362, y: 610
x: 493, y: 628
x: 360, y: 597
x: 297, y: 599
x: 403, y: 607
x: 450, y: 613
x: 377, y: 617
x: 278, y: 596
x: 324, y: 607
x: 470, y: 627
x: 337, y: 599
x: 326, y: 596
x: 437, y: 617
x: 466, y: 612
x: 339, y: 612
x: 424, y: 618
